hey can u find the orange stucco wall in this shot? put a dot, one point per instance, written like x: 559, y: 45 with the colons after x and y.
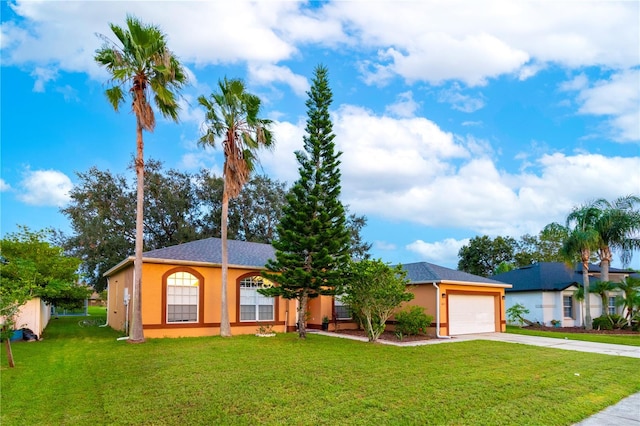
x: 153, y: 303
x: 496, y: 292
x: 425, y: 296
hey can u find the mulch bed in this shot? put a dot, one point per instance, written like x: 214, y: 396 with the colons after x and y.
x: 388, y: 336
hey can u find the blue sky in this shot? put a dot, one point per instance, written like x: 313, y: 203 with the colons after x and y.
x: 455, y: 119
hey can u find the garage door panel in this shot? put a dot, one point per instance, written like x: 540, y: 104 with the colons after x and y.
x: 470, y: 313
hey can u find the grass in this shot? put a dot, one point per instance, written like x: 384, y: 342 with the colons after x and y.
x: 618, y: 339
x: 85, y: 376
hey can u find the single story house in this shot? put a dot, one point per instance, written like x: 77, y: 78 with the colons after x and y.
x: 181, y: 294
x: 547, y: 290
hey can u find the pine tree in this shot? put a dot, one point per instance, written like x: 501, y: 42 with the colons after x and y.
x: 312, y: 248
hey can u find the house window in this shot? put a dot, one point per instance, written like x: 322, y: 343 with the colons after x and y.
x: 340, y: 309
x: 612, y: 305
x: 182, y: 297
x: 567, y: 306
x: 253, y: 305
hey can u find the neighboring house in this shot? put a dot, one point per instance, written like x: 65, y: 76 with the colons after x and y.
x: 547, y: 290
x: 34, y: 315
x: 181, y: 294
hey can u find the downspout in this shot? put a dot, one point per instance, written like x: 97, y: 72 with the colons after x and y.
x: 438, y: 313
x: 106, y: 323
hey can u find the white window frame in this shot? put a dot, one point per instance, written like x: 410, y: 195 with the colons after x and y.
x: 183, y: 286
x: 571, y: 306
x: 249, y: 296
x: 337, y: 303
x: 611, y: 307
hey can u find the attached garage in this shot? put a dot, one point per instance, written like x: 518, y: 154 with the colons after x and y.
x: 471, y: 313
x: 461, y: 303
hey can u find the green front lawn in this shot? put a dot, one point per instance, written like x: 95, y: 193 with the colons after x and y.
x: 619, y: 339
x: 85, y: 376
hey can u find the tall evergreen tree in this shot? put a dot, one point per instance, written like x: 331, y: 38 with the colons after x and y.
x: 312, y: 248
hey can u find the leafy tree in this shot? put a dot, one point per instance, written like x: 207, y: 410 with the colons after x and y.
x: 233, y: 115
x: 32, y: 267
x: 102, y: 221
x: 482, y: 255
x: 618, y: 225
x: 359, y: 249
x: 550, y: 242
x: 582, y: 240
x: 259, y: 209
x: 142, y: 65
x: 312, y: 247
x: 171, y: 209
x: 373, y: 291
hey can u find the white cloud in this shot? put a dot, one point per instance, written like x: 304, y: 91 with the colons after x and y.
x: 462, y: 40
x: 42, y: 76
x: 4, y: 186
x: 443, y: 252
x: 266, y: 74
x: 475, y: 41
x: 617, y: 98
x: 459, y: 101
x: 45, y: 188
x: 404, y: 107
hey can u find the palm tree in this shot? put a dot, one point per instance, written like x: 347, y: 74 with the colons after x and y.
x: 602, y: 288
x: 618, y: 226
x: 142, y: 65
x: 630, y: 286
x: 583, y: 238
x: 232, y: 114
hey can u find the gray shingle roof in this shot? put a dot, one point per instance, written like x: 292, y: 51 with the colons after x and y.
x: 209, y: 250
x: 424, y: 272
x: 542, y: 276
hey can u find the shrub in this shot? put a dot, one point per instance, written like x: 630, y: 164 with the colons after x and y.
x: 516, y: 314
x: 608, y: 322
x: 412, y: 321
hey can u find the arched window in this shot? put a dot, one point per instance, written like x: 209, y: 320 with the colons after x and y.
x: 183, y: 294
x: 253, y: 305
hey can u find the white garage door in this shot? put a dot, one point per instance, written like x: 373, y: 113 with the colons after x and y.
x: 471, y: 314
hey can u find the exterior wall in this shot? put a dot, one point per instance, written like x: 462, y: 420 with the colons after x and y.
x: 209, y: 316
x: 496, y: 292
x: 34, y: 315
x: 533, y: 301
x: 545, y: 306
x: 323, y: 306
x: 117, y: 314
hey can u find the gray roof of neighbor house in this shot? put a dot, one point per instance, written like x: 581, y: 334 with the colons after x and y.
x: 542, y: 276
x: 424, y: 272
x: 209, y: 252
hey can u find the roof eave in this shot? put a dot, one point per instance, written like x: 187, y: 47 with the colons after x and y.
x: 160, y: 261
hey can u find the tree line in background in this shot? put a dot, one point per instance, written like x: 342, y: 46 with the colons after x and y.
x: 179, y: 207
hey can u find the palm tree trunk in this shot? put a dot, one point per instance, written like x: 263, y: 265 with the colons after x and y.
x: 585, y: 283
x: 605, y: 262
x: 136, y: 334
x: 225, y: 327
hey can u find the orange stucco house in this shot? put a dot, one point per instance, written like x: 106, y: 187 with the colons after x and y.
x: 181, y: 294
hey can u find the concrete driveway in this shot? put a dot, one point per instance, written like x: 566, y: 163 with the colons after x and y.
x: 570, y: 345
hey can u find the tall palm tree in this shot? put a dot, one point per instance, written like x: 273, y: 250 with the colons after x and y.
x: 232, y: 115
x: 618, y: 226
x: 141, y: 64
x: 602, y: 288
x: 582, y: 240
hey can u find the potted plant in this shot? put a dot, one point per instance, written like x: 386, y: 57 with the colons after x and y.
x: 556, y: 323
x: 325, y: 323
